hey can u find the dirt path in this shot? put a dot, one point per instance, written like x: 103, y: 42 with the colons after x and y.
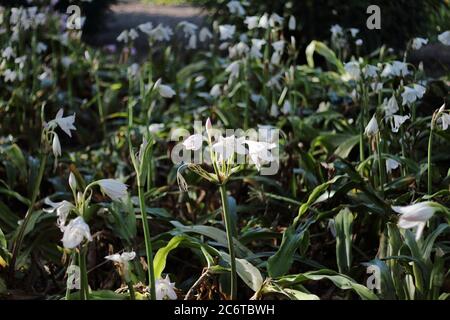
x: 131, y: 14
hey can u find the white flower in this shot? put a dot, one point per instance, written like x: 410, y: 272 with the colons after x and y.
x: 370, y: 71
x: 278, y: 45
x: 156, y: 127
x: 238, y: 50
x: 274, y: 110
x: 72, y: 181
x: 226, y: 31
x: 259, y: 152
x: 372, y: 127
x: 336, y: 30
x: 251, y: 22
x: 444, y: 38
x: 188, y: 28
x: 62, y: 208
x: 10, y: 75
x: 56, y: 146
x: 359, y: 42
x: 418, y: 43
x: 66, y: 62
x: 114, y: 189
x: 164, y: 90
x: 257, y: 44
x: 165, y: 290
x: 225, y: 147
x: 390, y: 106
x: 75, y: 232
x: 415, y: 216
x: 397, y: 69
x: 161, y: 33
x: 287, y: 108
x: 204, y: 34
x: 292, y: 23
x: 133, y: 70
x: 193, y: 142
x: 146, y: 28
x: 397, y: 121
x: 133, y: 34
x: 235, y: 7
x: 391, y: 164
x: 122, y: 258
x: 353, y: 69
x: 65, y: 123
x: 123, y: 36
x: 215, y: 91
x: 410, y: 95
x: 264, y: 21
x: 8, y: 53
x: 445, y: 120
x: 233, y: 69
x: 354, y: 32
x: 275, y: 19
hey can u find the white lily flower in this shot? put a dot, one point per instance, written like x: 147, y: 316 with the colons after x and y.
x: 146, y: 28
x: 75, y: 232
x: 188, y: 28
x: 72, y: 182
x: 215, y: 91
x: 275, y: 19
x: 353, y: 69
x: 354, y: 32
x: 225, y: 147
x: 418, y: 43
x: 411, y: 95
x: 56, y: 146
x: 274, y: 110
x: 114, y: 189
x: 66, y: 62
x: 41, y: 47
x: 390, y: 106
x: 292, y: 23
x: 156, y: 127
x: 8, y: 53
x: 9, y: 75
x: 359, y: 42
x: 164, y: 90
x: 255, y: 51
x: 397, y: 69
x: 65, y: 123
x: 397, y: 121
x: 133, y: 34
x: 251, y: 22
x: 336, y: 30
x: 62, y: 208
x: 123, y: 37
x: 259, y: 152
x: 122, y: 258
x: 233, y: 69
x: 444, y: 38
x: 204, y: 34
x: 193, y: 142
x: 235, y: 7
x: 161, y: 33
x: 226, y: 31
x: 287, y: 107
x: 372, y: 127
x: 264, y: 21
x: 415, y: 216
x: 391, y: 164
x: 370, y: 71
x: 165, y: 290
x: 445, y: 121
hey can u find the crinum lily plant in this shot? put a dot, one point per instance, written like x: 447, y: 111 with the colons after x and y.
x: 228, y: 155
x: 73, y: 218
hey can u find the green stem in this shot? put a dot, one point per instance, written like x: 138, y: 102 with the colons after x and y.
x: 18, y: 243
x: 380, y: 164
x: 148, y: 243
x: 131, y: 289
x: 84, y: 285
x: 228, y: 226
x: 100, y: 104
x: 430, y: 145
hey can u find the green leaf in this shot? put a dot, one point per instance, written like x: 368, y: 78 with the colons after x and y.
x: 344, y: 222
x: 321, y: 48
x: 159, y: 262
x: 248, y: 272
